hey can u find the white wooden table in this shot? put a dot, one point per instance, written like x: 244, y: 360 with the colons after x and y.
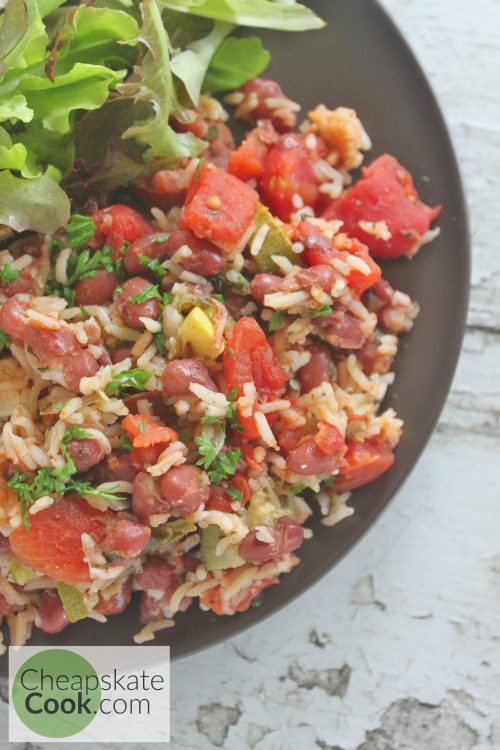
x: 399, y: 647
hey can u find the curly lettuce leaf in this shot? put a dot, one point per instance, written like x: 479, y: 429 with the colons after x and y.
x: 83, y: 87
x: 155, y: 85
x: 15, y: 108
x: 15, y: 156
x: 263, y: 14
x: 23, y: 38
x: 234, y: 63
x: 38, y: 204
x: 190, y: 66
x: 96, y: 35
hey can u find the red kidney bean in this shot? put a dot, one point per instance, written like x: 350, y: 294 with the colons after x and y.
x: 23, y: 283
x: 85, y: 453
x: 97, y: 289
x: 51, y: 615
x: 150, y: 246
x: 372, y: 361
x: 141, y: 458
x: 157, y: 573
x: 220, y: 144
x: 289, y: 439
x: 80, y: 365
x: 206, y: 258
x: 317, y: 370
x: 4, y: 544
x: 267, y: 89
x: 235, y: 303
x: 265, y: 283
x: 126, y: 538
x: 383, y: 290
x: 179, y: 373
x: 288, y: 536
x: 155, y: 399
x: 119, y: 467
x: 50, y: 347
x: 132, y: 312
x: 183, y: 489
x: 321, y: 275
x: 117, y: 603
x: 124, y: 352
x: 342, y: 330
x: 307, y: 459
x: 146, y: 498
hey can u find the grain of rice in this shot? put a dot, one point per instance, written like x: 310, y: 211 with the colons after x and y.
x: 173, y: 455
x: 61, y: 266
x: 147, y: 633
x: 273, y: 406
x: 298, y: 247
x: 265, y: 432
x: 259, y: 239
x: 41, y: 504
x: 285, y: 300
x: 377, y: 229
x: 153, y: 326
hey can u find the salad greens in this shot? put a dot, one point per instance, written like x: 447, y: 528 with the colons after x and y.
x: 88, y: 92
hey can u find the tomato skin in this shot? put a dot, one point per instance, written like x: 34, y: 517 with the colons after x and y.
x: 145, y: 431
x: 220, y: 500
x: 118, y: 224
x: 385, y: 192
x: 288, y: 171
x: 329, y: 440
x: 248, y: 357
x: 365, y: 462
x: 219, y: 207
x: 53, y: 543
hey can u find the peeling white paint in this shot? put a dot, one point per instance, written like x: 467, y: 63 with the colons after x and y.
x: 426, y: 670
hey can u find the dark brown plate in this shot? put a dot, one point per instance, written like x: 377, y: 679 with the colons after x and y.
x: 360, y: 60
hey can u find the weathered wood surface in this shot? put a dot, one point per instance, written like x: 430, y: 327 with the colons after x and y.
x: 399, y: 647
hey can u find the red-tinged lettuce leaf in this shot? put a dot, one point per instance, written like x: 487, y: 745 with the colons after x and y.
x: 154, y: 84
x: 38, y: 204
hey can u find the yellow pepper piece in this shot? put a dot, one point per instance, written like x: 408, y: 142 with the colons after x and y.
x: 198, y: 331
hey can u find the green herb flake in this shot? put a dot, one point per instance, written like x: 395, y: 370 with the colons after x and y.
x: 80, y: 230
x: 75, y: 433
x: 234, y: 494
x: 154, y: 265
x: 4, y: 340
x: 125, y: 443
x: 8, y: 274
x: 277, y: 319
x: 135, y: 379
x: 150, y: 292
x: 324, y: 310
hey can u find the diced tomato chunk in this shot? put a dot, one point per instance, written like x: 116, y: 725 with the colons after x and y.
x: 247, y: 161
x: 385, y: 192
x: 145, y: 431
x: 126, y: 538
x: 118, y: 224
x: 365, y: 462
x: 211, y: 599
x: 328, y: 439
x: 219, y: 207
x: 249, y: 358
x: 53, y: 544
x: 288, y: 172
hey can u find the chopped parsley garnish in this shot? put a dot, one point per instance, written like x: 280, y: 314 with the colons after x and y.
x: 220, y: 297
x: 277, y: 319
x: 83, y: 265
x: 75, y: 433
x: 125, y: 443
x: 159, y: 340
x: 80, y: 230
x: 4, y: 339
x: 211, y: 420
x: 300, y: 489
x: 154, y: 265
x: 199, y: 167
x: 48, y: 481
x: 134, y: 378
x: 234, y: 494
x: 150, y: 292
x: 231, y: 413
x: 141, y: 426
x: 84, y: 313
x: 323, y: 310
x: 8, y: 274
x: 220, y: 464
